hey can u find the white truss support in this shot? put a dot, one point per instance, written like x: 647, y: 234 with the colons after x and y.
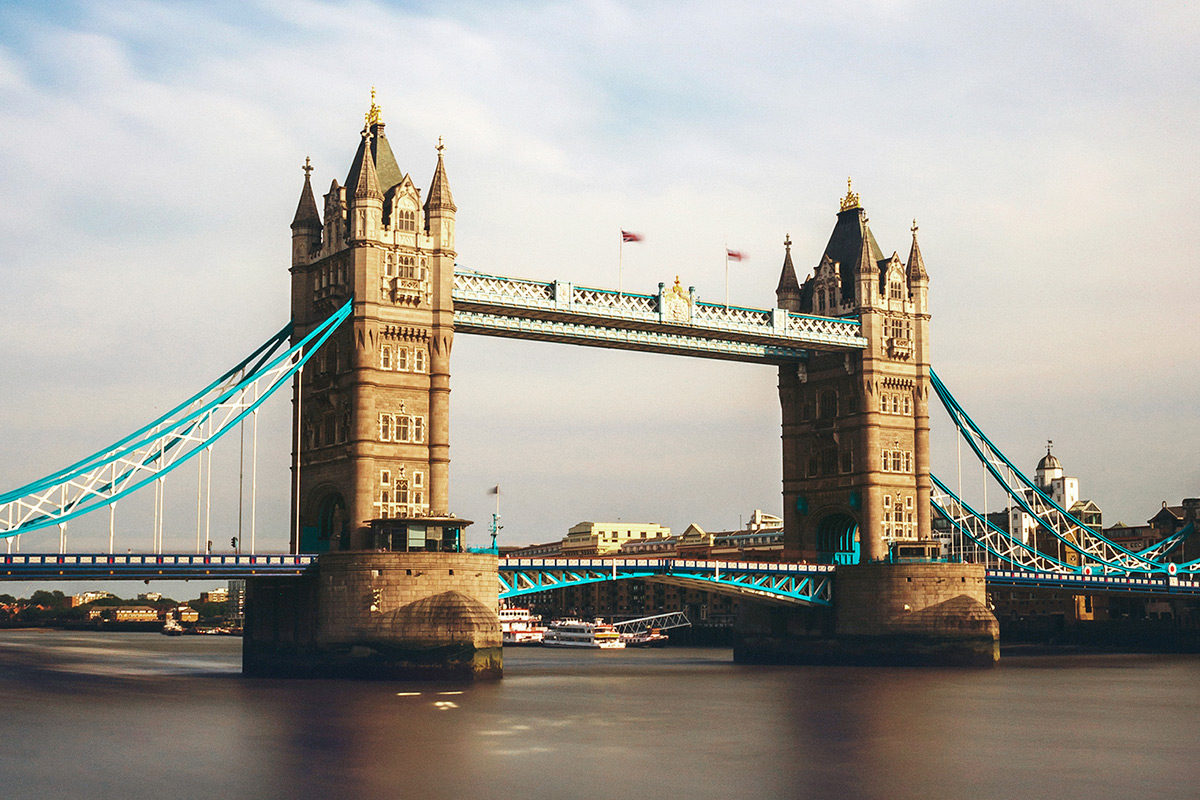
x: 149, y: 454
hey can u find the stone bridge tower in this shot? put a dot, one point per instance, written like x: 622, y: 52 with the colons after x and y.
x: 373, y: 406
x: 856, y: 425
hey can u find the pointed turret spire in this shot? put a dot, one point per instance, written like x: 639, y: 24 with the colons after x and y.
x: 368, y: 180
x: 306, y: 211
x: 916, y: 264
x: 787, y: 293
x: 440, y: 201
x: 868, y: 260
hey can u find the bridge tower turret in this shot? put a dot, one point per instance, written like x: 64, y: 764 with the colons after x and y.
x: 855, y: 426
x: 306, y: 225
x: 439, y: 228
x: 371, y: 435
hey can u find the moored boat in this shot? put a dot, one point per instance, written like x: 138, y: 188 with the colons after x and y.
x: 520, y: 626
x: 575, y: 633
x: 651, y: 637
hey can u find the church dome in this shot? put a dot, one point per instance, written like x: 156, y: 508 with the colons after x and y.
x: 1048, y: 462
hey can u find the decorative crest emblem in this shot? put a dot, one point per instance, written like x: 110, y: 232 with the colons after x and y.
x: 851, y: 199
x: 373, y: 112
x: 677, y: 303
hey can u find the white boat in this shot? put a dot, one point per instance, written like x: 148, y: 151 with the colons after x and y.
x: 651, y: 637
x: 574, y: 633
x: 520, y: 626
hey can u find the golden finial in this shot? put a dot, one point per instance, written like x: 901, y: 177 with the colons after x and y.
x: 307, y: 167
x: 851, y: 199
x: 373, y: 113
x: 787, y: 241
x: 914, y: 228
x: 440, y: 147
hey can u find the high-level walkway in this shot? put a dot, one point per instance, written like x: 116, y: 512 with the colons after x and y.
x: 673, y: 321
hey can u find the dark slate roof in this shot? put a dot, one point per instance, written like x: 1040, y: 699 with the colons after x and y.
x: 386, y: 168
x: 916, y: 264
x: 1167, y: 514
x: 306, y: 210
x: 846, y: 244
x: 368, y: 178
x: 439, y: 199
x: 788, y: 285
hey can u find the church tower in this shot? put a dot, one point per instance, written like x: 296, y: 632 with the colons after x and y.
x: 856, y: 425
x: 372, y: 426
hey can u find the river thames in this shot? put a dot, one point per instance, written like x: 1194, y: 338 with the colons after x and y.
x: 134, y: 716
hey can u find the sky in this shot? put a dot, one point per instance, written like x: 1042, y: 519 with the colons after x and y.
x: 150, y: 164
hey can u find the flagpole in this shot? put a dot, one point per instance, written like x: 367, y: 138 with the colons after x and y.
x: 727, y: 276
x: 620, y: 259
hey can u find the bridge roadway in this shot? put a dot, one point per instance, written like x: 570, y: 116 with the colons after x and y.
x: 802, y: 584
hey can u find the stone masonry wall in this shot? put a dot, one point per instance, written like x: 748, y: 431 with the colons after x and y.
x: 430, y: 598
x: 927, y: 599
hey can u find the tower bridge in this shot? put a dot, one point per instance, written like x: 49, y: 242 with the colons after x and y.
x: 376, y: 301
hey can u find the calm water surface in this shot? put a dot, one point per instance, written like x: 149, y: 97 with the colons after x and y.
x: 135, y: 716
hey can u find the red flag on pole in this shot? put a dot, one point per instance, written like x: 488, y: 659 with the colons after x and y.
x: 630, y: 236
x: 734, y: 255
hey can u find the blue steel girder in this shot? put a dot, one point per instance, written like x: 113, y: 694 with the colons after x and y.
x: 789, y: 584
x: 152, y: 452
x: 148, y: 566
x: 1147, y: 584
x: 672, y: 321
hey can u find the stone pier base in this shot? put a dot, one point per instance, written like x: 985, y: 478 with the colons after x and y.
x: 884, y: 614
x: 377, y: 615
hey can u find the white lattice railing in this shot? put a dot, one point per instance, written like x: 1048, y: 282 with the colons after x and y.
x: 669, y: 307
x: 614, y: 301
x: 803, y: 323
x: 510, y: 288
x: 709, y: 312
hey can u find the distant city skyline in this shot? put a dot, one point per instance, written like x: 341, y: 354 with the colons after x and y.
x: 151, y: 162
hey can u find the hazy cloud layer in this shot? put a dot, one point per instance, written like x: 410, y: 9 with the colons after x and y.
x: 150, y: 164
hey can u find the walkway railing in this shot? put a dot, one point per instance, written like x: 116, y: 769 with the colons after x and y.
x: 145, y: 566
x: 673, y: 320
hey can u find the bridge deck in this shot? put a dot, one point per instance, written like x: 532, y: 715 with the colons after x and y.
x: 782, y: 582
x: 672, y: 321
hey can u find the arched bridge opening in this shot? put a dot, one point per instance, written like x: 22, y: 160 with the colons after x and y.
x: 789, y: 584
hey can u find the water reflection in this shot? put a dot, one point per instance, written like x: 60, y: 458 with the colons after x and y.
x: 141, y: 716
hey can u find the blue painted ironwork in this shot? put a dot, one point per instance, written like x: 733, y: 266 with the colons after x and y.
x: 1096, y: 552
x: 147, y: 566
x: 156, y: 449
x: 672, y: 321
x: 984, y: 534
x: 1130, y: 583
x: 791, y: 584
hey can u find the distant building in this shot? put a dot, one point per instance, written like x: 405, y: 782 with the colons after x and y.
x: 235, y: 610
x: 215, y: 596
x: 89, y: 597
x: 662, y: 547
x: 605, y: 538
x: 153, y: 597
x: 135, y: 614
x: 1050, y: 480
x: 760, y: 540
x: 546, y: 550
x: 187, y: 614
x: 1065, y: 492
